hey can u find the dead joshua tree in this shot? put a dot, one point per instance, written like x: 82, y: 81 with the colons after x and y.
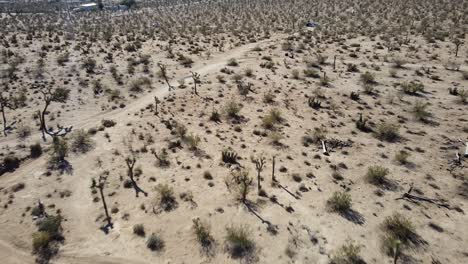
x: 7, y: 102
x: 100, y: 185
x: 163, y: 70
x: 131, y: 161
x: 273, y: 179
x: 59, y: 95
x: 196, y: 80
x: 259, y: 164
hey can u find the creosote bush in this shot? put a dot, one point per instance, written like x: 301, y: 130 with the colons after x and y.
x: 155, y: 242
x: 238, y: 241
x: 232, y: 109
x: 399, y: 227
x: 402, y: 157
x: 139, y: 230
x: 340, y: 202
x: 348, y: 254
x: 166, y: 198
x: 412, y: 88
x: 81, y: 141
x: 377, y: 175
x: 387, y: 131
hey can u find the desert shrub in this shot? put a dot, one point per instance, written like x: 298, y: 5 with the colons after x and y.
x: 180, y: 130
x: 324, y: 80
x: 248, y: 72
x: 463, y: 95
x: 232, y: 108
x: 139, y: 230
x: 166, y: 198
x: 81, y: 141
x: 52, y: 225
x: 275, y: 138
x: 232, y: 62
x: 155, y: 242
x: 367, y: 78
x: 202, y: 233
x: 295, y: 74
x: 348, y: 254
x: 315, y: 136
x: 339, y: 202
x: 465, y: 75
x: 402, y: 157
x: 137, y: 85
x: 311, y: 73
x: 377, y: 174
x: 192, y: 141
x: 399, y: 227
x: 239, y: 241
x: 215, y: 116
x: 269, y: 97
x: 419, y: 110
x: 10, y: 163
x: 108, y: 123
x: 368, y: 88
x: 23, y: 131
x: 59, y: 149
x: 387, y: 131
x: 40, y: 241
x: 89, y: 65
x: 412, y: 88
x: 63, y: 58
x: 399, y: 63
x: 271, y: 119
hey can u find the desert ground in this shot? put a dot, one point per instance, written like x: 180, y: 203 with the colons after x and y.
x: 234, y: 132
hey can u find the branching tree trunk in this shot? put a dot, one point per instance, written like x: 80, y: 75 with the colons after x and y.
x: 100, y: 186
x: 259, y: 164
x: 131, y: 161
x: 59, y: 95
x: 156, y: 103
x: 163, y: 70
x: 196, y: 80
x: 8, y: 102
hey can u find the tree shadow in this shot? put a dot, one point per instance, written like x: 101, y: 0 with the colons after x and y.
x: 353, y: 216
x: 106, y: 228
x: 62, y: 166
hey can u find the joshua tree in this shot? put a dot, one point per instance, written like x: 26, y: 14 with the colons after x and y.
x: 457, y: 43
x: 131, y: 161
x: 196, y: 79
x: 100, y: 185
x: 163, y: 72
x: 156, y: 103
x: 273, y: 162
x: 9, y: 102
x: 241, y: 182
x: 259, y: 164
x: 59, y: 95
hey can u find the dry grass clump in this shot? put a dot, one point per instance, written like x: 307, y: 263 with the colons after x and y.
x: 387, y: 131
x: 315, y: 136
x: 340, y: 202
x: 402, y: 157
x: 377, y: 175
x: 166, y: 199
x: 419, y: 110
x: 412, y: 88
x: 202, y: 233
x: 272, y: 118
x: 239, y: 242
x: 399, y: 232
x: 367, y: 78
x: 348, y: 254
x: 232, y: 109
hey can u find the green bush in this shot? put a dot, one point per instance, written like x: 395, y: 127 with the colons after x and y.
x: 340, y: 202
x: 239, y: 241
x: 10, y: 163
x: 51, y: 225
x: 377, y: 174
